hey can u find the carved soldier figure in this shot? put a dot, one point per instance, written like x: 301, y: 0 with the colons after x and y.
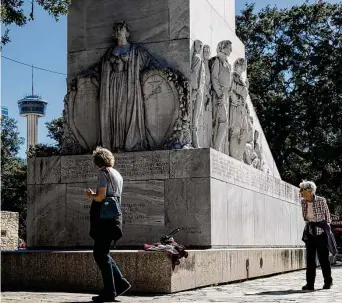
x: 258, y: 161
x: 237, y: 113
x: 197, y: 88
x: 207, y: 88
x: 221, y: 82
x: 206, y: 116
x: 249, y: 154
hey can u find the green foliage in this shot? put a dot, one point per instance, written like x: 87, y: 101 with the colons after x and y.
x: 55, y: 132
x: 12, y: 12
x: 42, y: 150
x: 13, y: 172
x: 294, y: 64
x: 14, y: 169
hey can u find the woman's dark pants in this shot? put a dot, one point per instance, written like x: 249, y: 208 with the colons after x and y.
x: 103, y: 237
x: 317, y: 244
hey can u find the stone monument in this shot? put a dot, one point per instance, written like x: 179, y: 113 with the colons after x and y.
x: 185, y: 135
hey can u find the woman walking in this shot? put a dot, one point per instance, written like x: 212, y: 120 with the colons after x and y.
x: 106, y: 224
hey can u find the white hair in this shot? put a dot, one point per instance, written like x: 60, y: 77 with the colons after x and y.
x: 308, y: 185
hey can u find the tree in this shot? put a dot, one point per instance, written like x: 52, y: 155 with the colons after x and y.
x: 55, y: 132
x: 13, y: 172
x: 294, y: 64
x: 12, y: 12
x: 14, y: 169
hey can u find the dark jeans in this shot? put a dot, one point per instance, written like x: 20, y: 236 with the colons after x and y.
x: 111, y: 274
x: 317, y: 244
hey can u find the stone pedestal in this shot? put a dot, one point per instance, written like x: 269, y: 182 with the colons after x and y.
x: 75, y: 271
x: 215, y: 200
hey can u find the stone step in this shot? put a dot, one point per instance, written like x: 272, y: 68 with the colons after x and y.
x: 151, y: 272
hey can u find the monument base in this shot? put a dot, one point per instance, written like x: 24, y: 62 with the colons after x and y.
x: 150, y: 272
x: 215, y: 200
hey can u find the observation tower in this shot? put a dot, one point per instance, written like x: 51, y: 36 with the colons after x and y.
x: 32, y: 107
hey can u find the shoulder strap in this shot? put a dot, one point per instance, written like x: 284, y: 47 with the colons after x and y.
x: 109, y: 178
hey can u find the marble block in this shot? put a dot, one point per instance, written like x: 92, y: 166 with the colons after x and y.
x: 77, y: 214
x: 215, y: 200
x: 47, y: 170
x: 46, y: 215
x: 187, y: 206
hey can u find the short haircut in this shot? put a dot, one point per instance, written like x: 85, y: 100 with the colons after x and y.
x: 206, y: 46
x: 308, y: 185
x: 103, y: 157
x: 121, y: 24
x: 240, y: 62
x: 223, y: 44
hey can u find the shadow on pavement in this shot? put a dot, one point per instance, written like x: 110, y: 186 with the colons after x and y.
x: 279, y: 292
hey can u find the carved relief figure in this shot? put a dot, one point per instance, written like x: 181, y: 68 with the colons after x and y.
x: 238, y: 113
x: 121, y: 97
x: 207, y: 87
x: 197, y: 89
x: 127, y: 102
x: 258, y: 161
x: 205, y: 124
x: 249, y: 154
x: 221, y: 82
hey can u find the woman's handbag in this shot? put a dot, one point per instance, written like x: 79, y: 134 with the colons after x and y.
x: 110, y: 206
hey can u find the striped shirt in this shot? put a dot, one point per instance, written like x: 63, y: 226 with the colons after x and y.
x: 320, y: 210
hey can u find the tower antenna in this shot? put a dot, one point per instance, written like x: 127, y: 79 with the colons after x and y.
x: 32, y: 81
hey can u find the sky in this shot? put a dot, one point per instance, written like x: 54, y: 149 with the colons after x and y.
x: 43, y: 43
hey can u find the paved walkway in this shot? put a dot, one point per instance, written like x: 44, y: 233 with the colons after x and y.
x: 278, y: 289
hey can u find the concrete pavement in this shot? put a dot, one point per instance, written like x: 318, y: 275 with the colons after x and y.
x: 284, y: 288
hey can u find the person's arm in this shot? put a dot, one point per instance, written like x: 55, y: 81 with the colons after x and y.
x: 99, y: 196
x: 195, y: 70
x: 326, y: 212
x: 215, y: 78
x: 101, y: 192
x: 304, y: 209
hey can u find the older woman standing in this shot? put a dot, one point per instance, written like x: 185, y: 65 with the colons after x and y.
x: 106, y: 229
x: 317, y: 234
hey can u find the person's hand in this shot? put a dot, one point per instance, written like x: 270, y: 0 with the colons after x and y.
x: 89, y: 192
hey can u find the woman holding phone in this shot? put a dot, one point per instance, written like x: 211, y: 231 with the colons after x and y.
x: 106, y: 224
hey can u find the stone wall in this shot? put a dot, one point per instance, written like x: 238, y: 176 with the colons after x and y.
x: 217, y: 201
x: 9, y: 230
x: 162, y: 28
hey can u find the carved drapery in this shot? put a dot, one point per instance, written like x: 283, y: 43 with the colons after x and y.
x: 129, y: 102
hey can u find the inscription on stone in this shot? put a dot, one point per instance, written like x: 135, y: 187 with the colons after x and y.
x: 143, y: 203
x: 229, y: 170
x: 78, y: 169
x: 140, y: 166
x: 139, y: 214
x: 83, y: 218
x: 191, y: 230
